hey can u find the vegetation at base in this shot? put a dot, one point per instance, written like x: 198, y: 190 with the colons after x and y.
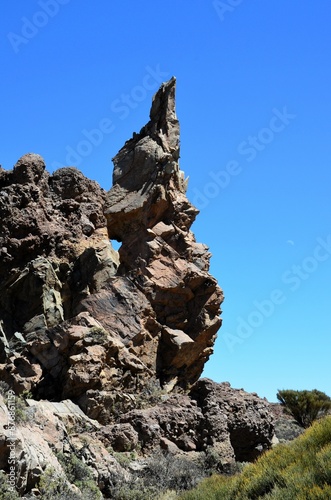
x: 162, y: 477
x: 6, y: 492
x: 298, y: 470
x: 79, y: 474
x: 304, y: 406
x: 22, y: 412
x: 54, y: 487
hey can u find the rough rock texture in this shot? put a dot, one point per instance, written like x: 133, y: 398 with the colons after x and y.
x: 285, y: 427
x: 51, y: 226
x: 52, y: 429
x: 244, y: 417
x: 124, y: 335
x: 80, y: 320
x: 233, y: 422
x: 147, y: 211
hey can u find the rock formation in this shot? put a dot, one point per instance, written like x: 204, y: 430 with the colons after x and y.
x: 78, y: 319
x: 232, y: 422
x: 108, y: 330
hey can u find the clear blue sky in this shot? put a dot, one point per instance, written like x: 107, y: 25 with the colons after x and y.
x: 253, y: 99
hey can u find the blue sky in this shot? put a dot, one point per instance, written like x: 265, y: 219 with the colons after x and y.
x: 253, y: 100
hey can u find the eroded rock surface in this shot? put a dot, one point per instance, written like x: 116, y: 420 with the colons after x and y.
x: 78, y: 317
x: 124, y: 335
x: 234, y: 423
x: 52, y: 431
x: 147, y: 210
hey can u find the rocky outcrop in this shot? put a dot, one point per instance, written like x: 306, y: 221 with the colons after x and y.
x: 147, y: 210
x: 51, y: 226
x: 232, y: 423
x: 285, y: 427
x: 236, y: 424
x: 234, y: 414
x: 124, y: 335
x: 77, y: 318
x: 51, y: 432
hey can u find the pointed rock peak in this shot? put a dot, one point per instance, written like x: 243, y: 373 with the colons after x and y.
x: 163, y: 117
x: 155, y: 149
x: 164, y: 100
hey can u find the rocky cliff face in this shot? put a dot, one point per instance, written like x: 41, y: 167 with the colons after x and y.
x: 108, y: 330
x: 77, y: 317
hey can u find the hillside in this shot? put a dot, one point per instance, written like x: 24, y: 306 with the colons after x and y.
x: 298, y: 470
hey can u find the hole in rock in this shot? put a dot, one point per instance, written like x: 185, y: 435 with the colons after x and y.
x: 116, y: 244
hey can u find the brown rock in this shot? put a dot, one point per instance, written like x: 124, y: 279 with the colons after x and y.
x: 245, y: 417
x: 153, y: 309
x: 235, y: 424
x: 148, y: 211
x: 123, y: 334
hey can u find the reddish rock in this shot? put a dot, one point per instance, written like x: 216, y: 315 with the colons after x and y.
x: 125, y: 335
x: 147, y: 210
x: 154, y: 304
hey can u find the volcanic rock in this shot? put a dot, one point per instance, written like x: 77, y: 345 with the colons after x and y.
x: 122, y: 334
x: 77, y: 316
x: 234, y: 423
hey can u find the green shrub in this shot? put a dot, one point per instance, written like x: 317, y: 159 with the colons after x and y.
x: 21, y: 409
x: 305, y: 406
x: 135, y: 490
x: 98, y: 335
x: 162, y: 476
x: 122, y: 457
x: 6, y: 492
x: 298, y: 470
x: 79, y: 474
x: 55, y: 487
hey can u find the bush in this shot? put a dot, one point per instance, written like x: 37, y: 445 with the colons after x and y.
x: 299, y: 469
x: 55, y: 487
x: 6, y: 492
x: 135, y: 490
x: 79, y: 474
x: 166, y: 472
x: 98, y: 335
x: 305, y: 406
x: 162, y: 476
x: 22, y: 411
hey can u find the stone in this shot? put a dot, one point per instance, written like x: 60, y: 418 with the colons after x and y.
x: 54, y: 428
x: 154, y: 303
x: 147, y: 211
x: 245, y: 417
x: 111, y: 344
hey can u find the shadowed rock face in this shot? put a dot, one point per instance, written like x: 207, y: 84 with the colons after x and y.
x: 77, y: 316
x: 46, y: 224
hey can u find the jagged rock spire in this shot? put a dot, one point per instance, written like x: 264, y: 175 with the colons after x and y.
x: 148, y: 211
x: 154, y: 152
x: 155, y: 300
